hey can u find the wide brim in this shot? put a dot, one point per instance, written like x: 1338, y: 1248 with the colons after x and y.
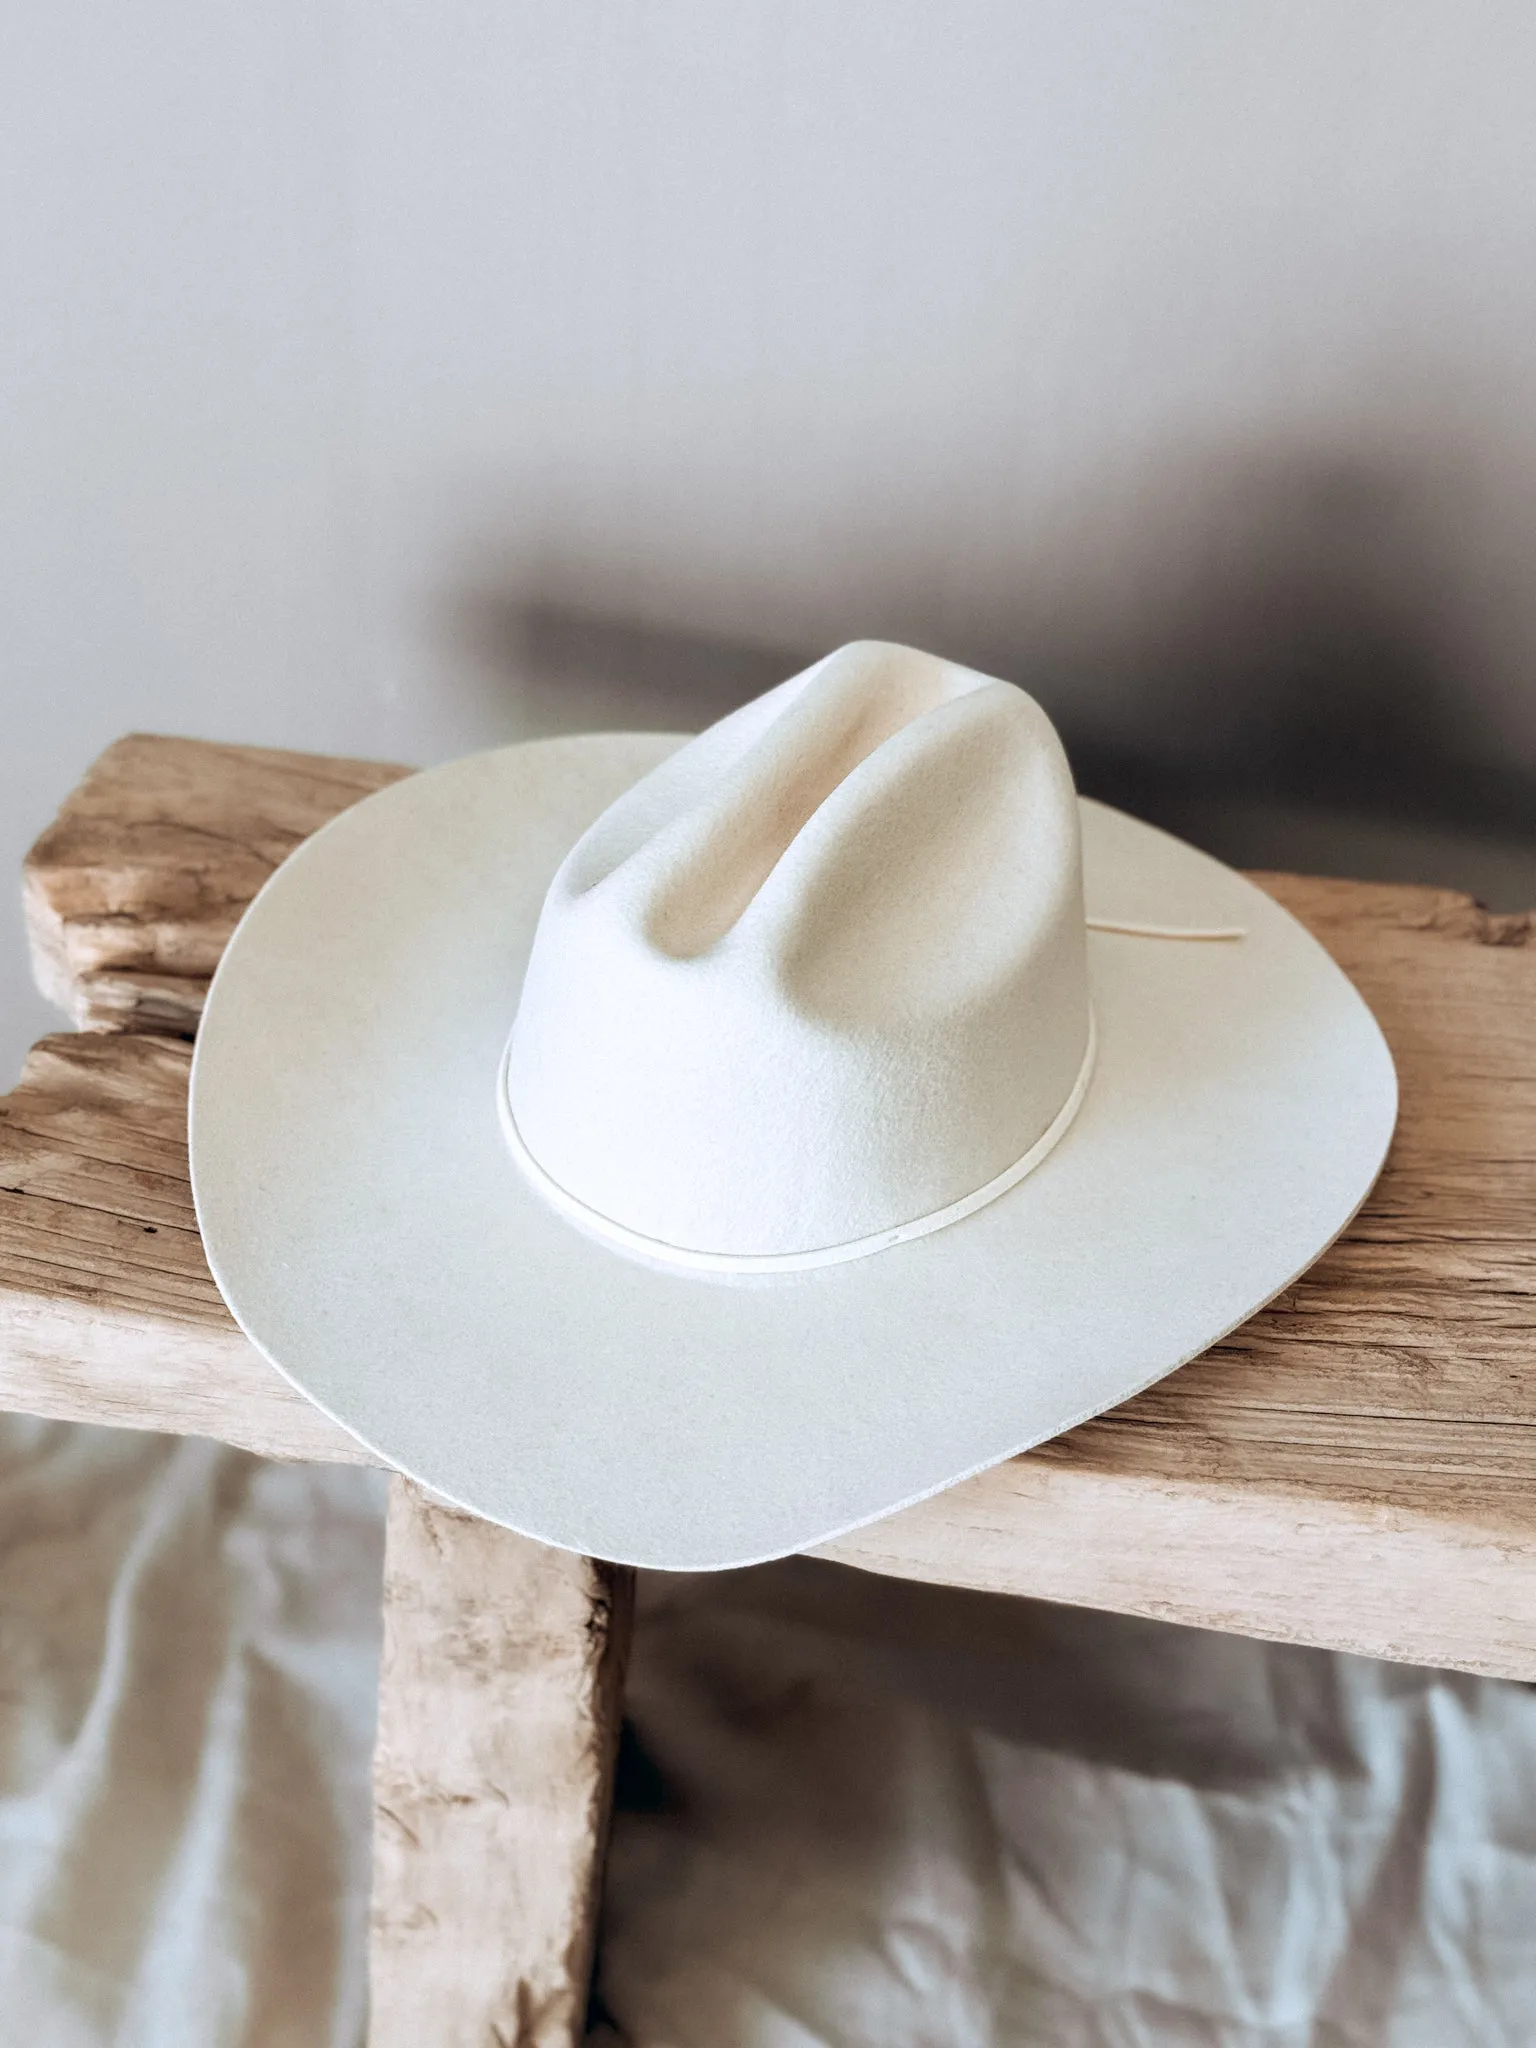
x: 374, y: 1238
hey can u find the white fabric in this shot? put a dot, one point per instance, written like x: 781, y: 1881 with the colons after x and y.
x: 819, y: 975
x: 861, y: 1814
x: 882, y: 1815
x: 188, y: 1676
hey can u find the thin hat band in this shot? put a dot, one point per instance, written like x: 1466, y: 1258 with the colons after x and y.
x: 690, y: 1259
x: 743, y: 1263
x: 1130, y: 929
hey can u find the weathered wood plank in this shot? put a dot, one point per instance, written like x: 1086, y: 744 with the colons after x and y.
x: 1445, y: 1579
x: 132, y: 892
x: 499, y: 1714
x: 108, y: 1312
x: 1379, y: 1420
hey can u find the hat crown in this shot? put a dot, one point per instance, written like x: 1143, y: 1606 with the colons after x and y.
x: 819, y: 975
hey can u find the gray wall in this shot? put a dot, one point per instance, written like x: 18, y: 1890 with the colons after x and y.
x: 398, y: 378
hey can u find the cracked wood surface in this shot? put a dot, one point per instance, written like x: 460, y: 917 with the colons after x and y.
x: 499, y: 1709
x: 1355, y: 1467
x: 108, y: 1312
x: 134, y: 889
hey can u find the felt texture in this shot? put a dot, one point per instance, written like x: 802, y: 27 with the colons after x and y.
x: 820, y: 974
x: 374, y: 1236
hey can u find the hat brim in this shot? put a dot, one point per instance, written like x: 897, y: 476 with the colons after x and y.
x: 376, y: 1241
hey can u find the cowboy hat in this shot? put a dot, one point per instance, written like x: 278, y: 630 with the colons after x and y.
x: 684, y: 1151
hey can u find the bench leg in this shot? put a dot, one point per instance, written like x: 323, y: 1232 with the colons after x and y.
x: 499, y: 1709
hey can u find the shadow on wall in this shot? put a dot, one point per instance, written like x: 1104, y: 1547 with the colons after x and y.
x: 575, y: 669
x: 1274, y: 663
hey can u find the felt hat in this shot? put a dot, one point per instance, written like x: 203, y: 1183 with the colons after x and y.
x: 684, y: 1151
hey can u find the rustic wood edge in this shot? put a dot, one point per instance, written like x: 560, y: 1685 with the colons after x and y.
x: 131, y: 892
x: 1406, y: 1584
x: 500, y: 1705
x: 73, y: 1361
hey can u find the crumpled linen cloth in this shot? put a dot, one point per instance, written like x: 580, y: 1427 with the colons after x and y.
x: 871, y: 1814
x: 189, y: 1643
x: 854, y: 1813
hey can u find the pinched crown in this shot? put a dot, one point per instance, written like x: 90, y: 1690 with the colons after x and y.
x: 819, y: 976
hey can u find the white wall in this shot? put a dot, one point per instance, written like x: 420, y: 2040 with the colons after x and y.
x: 341, y: 340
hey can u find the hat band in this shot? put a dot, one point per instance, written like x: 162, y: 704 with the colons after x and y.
x: 618, y: 1234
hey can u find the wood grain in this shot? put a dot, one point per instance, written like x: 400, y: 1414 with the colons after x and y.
x: 499, y: 1714
x: 1445, y: 1584
x: 108, y: 1312
x: 132, y: 892
x: 1356, y: 1466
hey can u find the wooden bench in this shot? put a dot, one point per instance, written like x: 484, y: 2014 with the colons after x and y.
x: 1355, y: 1468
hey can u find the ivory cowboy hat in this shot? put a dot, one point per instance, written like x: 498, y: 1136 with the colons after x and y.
x: 686, y: 1151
